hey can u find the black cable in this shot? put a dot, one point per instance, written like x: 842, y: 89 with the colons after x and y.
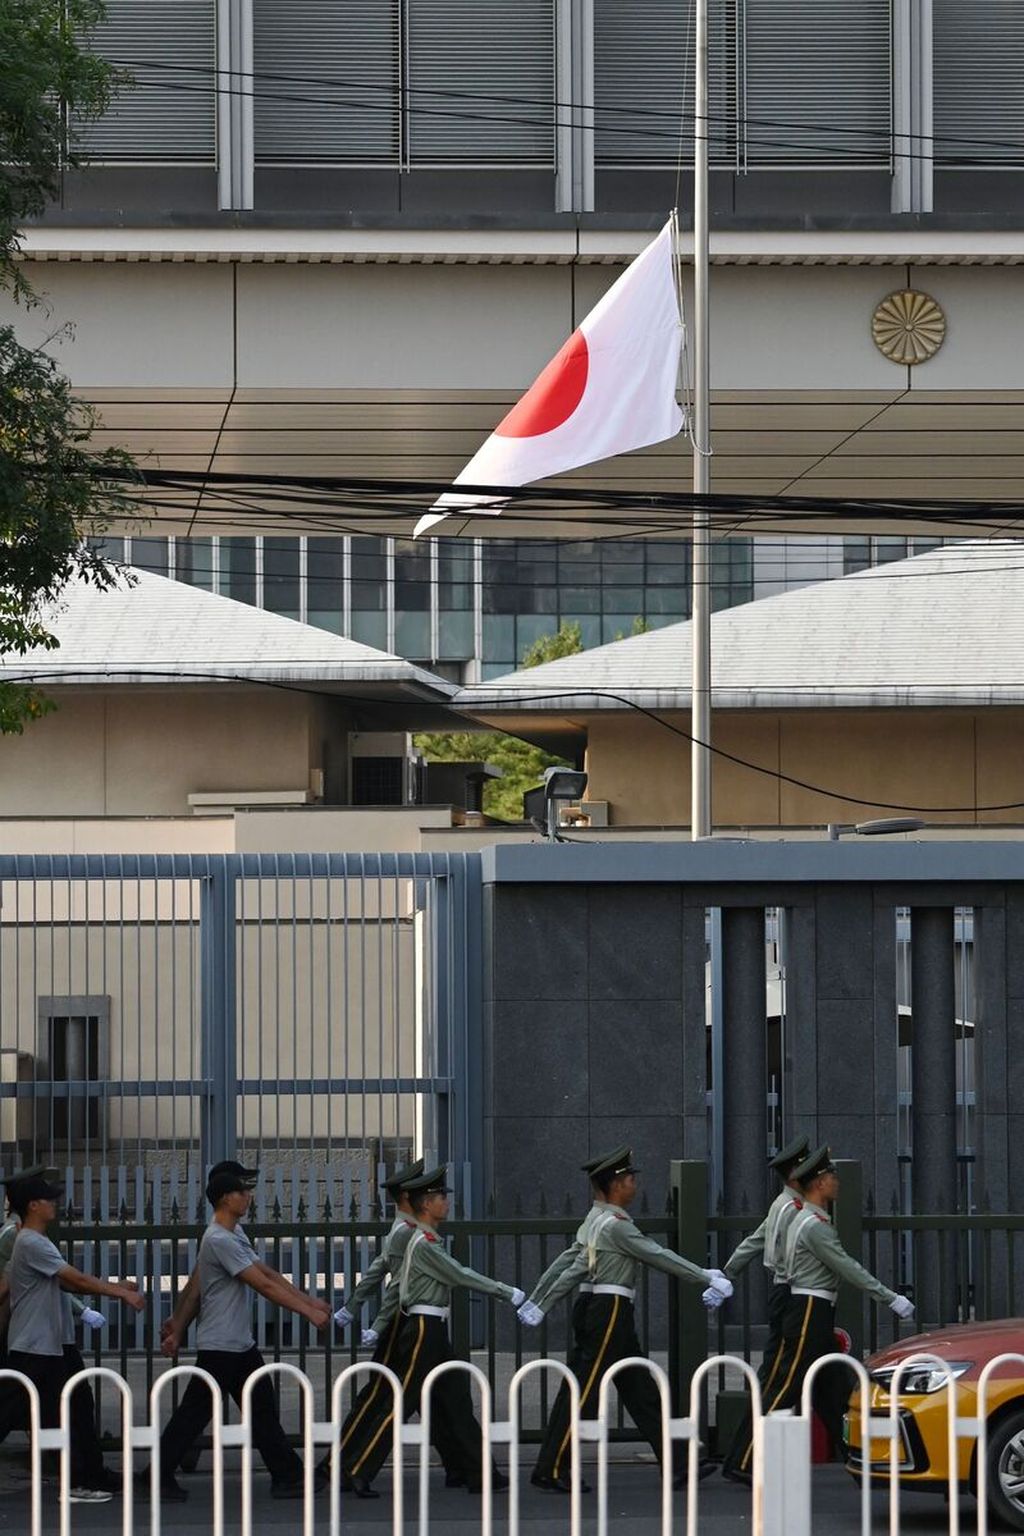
x: 95, y: 674
x: 731, y: 122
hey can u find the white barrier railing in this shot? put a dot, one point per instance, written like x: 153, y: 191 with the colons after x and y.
x: 781, y: 1468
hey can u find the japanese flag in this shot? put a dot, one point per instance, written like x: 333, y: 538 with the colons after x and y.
x: 610, y: 389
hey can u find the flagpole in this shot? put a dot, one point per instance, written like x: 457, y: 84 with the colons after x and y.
x: 700, y: 625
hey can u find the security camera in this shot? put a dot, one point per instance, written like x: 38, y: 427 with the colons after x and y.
x: 540, y: 805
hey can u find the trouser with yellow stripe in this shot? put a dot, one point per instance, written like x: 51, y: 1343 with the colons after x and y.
x: 607, y: 1334
x: 360, y: 1423
x: 419, y: 1344
x: 808, y: 1333
x: 737, y: 1456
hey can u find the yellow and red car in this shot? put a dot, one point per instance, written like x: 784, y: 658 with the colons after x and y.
x: 922, y: 1449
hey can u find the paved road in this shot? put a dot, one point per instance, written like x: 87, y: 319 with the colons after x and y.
x: 634, y: 1508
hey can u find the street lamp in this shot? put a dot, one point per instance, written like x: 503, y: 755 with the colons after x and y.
x: 540, y: 805
x: 874, y: 828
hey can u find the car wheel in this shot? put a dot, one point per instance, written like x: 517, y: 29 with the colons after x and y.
x: 1006, y: 1471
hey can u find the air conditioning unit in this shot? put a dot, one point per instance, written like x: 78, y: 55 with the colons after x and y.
x: 384, y: 769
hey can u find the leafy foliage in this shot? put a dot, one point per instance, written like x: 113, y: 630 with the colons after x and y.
x: 54, y: 493
x: 522, y: 763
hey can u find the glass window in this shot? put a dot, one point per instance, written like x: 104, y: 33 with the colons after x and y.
x: 371, y: 628
x: 152, y: 554
x: 499, y: 639
x: 325, y: 576
x: 412, y: 635
x: 455, y: 636
x: 454, y: 575
x: 238, y: 569
x: 856, y: 554
x: 369, y: 576
x: 412, y: 577
x: 281, y: 576
x: 193, y: 562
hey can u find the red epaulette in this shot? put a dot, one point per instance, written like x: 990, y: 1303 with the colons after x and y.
x: 621, y: 1216
x: 410, y: 1224
x: 799, y: 1204
x: 431, y: 1237
x: 819, y: 1217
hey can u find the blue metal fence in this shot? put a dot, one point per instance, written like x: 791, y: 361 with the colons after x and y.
x: 307, y: 1010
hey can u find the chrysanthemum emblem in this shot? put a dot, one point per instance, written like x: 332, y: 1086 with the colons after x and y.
x: 908, y: 327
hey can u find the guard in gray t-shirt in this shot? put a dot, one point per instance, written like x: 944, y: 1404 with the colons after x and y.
x: 228, y: 1273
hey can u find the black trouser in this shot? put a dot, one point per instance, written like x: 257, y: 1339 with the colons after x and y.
x: 353, y: 1430
x: 607, y: 1334
x: 419, y: 1344
x: 808, y: 1333
x: 230, y: 1370
x: 737, y: 1458
x: 49, y: 1373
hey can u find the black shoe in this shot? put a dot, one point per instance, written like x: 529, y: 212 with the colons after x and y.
x: 705, y: 1467
x: 171, y: 1491
x: 556, y: 1484
x: 359, y: 1486
x: 455, y: 1479
x: 498, y: 1481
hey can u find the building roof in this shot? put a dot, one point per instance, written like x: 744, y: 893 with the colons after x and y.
x: 940, y: 629
x: 156, y: 631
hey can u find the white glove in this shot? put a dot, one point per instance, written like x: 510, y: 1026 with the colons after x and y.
x: 343, y: 1317
x: 530, y: 1315
x: 719, y: 1281
x: 902, y: 1306
x: 91, y: 1318
x: 518, y: 1297
x: 369, y: 1338
x: 712, y: 1299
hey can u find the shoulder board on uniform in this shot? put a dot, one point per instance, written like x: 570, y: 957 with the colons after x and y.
x: 799, y: 1204
x: 431, y: 1237
x: 621, y: 1216
x: 410, y: 1224
x: 819, y: 1216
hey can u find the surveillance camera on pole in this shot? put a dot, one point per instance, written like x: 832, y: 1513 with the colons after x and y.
x: 561, y: 786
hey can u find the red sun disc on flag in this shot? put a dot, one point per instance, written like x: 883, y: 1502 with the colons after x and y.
x: 553, y: 395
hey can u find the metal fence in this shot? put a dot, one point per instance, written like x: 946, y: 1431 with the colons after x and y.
x: 781, y: 1494
x: 162, y: 1012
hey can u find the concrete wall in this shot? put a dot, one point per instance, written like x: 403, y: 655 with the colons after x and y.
x: 920, y: 758
x: 139, y: 753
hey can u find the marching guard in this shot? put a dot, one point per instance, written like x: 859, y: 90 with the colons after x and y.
x: 768, y: 1243
x: 611, y: 1247
x: 428, y: 1276
x: 815, y: 1264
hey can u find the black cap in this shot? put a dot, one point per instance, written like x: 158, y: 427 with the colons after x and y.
x: 28, y: 1187
x: 820, y: 1161
x: 229, y: 1166
x: 395, y: 1185
x: 435, y: 1182
x: 229, y: 1179
x: 791, y: 1154
x: 614, y: 1163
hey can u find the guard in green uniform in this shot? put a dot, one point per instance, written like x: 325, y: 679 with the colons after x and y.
x: 815, y: 1263
x: 766, y: 1243
x: 381, y: 1334
x: 427, y: 1278
x: 611, y: 1247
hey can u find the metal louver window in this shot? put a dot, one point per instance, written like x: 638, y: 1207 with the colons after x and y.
x: 978, y: 92
x: 327, y: 81
x: 481, y: 82
x: 644, y: 81
x: 169, y: 49
x: 817, y: 80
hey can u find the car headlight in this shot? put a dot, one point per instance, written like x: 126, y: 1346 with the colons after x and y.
x: 919, y: 1380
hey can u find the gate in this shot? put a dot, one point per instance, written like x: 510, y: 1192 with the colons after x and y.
x: 306, y: 1011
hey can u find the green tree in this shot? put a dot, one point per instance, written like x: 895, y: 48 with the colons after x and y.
x: 521, y: 762
x: 54, y: 492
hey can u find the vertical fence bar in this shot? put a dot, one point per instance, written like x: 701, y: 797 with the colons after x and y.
x: 849, y: 1218
x: 688, y: 1333
x: 219, y: 1004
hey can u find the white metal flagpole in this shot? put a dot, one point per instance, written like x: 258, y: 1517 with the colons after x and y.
x: 700, y: 627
